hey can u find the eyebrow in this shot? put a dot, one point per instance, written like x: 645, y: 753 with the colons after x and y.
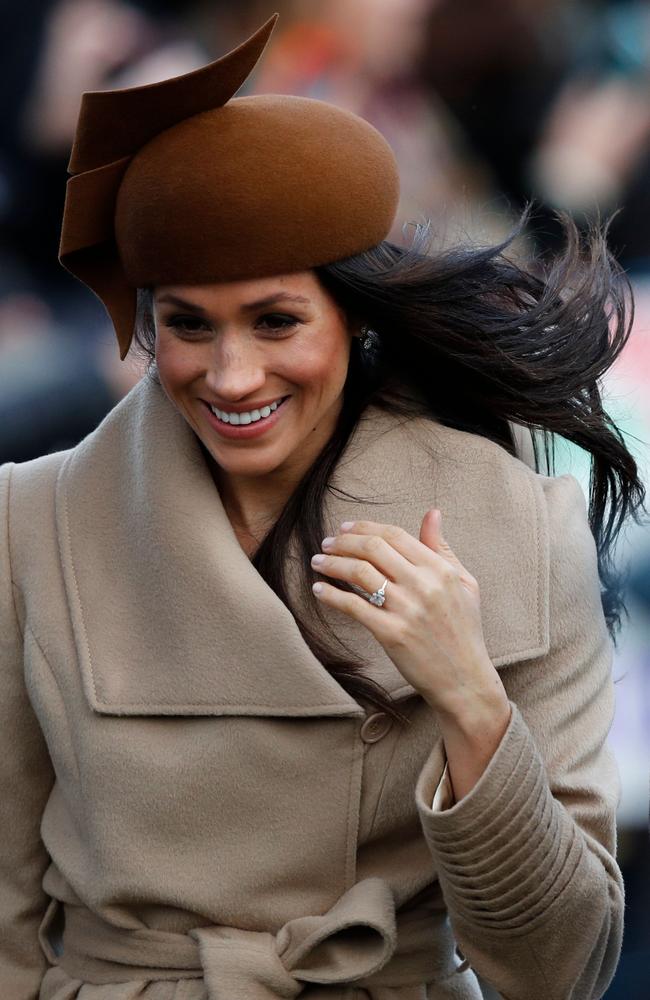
x: 268, y: 300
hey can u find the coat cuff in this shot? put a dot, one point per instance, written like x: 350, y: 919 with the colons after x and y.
x: 500, y: 852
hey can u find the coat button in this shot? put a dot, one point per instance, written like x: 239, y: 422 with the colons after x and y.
x: 375, y: 727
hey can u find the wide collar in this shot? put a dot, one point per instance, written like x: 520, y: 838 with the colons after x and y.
x: 171, y: 617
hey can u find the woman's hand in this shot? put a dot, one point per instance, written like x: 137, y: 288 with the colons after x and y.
x: 430, y: 626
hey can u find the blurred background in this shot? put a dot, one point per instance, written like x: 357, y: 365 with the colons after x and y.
x: 487, y: 104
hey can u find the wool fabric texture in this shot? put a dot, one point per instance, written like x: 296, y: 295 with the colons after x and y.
x: 186, y: 787
x: 181, y: 182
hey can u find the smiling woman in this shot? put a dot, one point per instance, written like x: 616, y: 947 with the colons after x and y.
x: 306, y: 676
x: 233, y: 354
x: 229, y: 353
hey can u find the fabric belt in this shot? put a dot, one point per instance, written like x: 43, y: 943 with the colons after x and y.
x: 354, y: 942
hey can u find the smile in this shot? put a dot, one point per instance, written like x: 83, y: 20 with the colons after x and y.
x: 254, y: 422
x: 247, y: 416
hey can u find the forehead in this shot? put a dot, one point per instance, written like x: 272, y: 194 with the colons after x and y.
x: 302, y: 285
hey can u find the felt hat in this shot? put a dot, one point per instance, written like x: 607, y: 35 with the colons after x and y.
x: 181, y: 182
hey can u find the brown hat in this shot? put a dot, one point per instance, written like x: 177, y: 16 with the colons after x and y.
x: 176, y: 182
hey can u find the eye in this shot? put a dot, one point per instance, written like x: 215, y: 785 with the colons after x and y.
x: 187, y: 324
x: 277, y: 322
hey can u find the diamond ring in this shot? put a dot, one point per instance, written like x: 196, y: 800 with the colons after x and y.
x: 379, y: 596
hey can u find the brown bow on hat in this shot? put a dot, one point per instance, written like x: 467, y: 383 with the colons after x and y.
x: 176, y: 182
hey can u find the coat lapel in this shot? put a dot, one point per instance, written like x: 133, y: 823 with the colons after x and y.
x: 169, y: 615
x: 493, y: 517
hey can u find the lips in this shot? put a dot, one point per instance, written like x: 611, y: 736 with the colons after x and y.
x: 239, y: 414
x: 249, y: 409
x: 244, y: 431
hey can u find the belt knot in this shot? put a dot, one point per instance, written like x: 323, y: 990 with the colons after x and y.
x: 352, y: 940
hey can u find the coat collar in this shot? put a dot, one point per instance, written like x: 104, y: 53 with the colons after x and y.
x: 170, y: 617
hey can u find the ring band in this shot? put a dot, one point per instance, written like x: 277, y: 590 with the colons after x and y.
x: 379, y: 596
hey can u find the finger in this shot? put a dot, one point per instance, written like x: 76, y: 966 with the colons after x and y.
x: 431, y: 536
x: 357, y: 572
x: 377, y: 551
x: 376, y: 619
x: 413, y: 552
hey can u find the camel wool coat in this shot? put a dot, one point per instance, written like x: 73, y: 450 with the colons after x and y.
x: 192, y: 808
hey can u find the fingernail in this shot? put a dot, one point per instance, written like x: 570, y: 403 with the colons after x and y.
x: 317, y: 587
x: 327, y: 542
x: 346, y: 525
x: 318, y: 558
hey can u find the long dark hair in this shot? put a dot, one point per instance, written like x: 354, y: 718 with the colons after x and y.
x: 474, y: 340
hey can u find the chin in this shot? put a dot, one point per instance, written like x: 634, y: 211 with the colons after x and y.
x: 238, y: 466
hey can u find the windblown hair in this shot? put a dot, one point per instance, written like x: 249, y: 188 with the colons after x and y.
x: 473, y: 340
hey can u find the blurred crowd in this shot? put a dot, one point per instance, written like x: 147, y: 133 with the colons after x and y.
x: 487, y: 103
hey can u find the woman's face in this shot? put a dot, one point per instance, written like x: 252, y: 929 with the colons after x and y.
x: 242, y: 346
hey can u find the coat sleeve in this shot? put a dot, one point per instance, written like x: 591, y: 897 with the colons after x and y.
x: 26, y: 778
x: 526, y: 860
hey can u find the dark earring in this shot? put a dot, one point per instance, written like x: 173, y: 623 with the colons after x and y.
x: 366, y: 337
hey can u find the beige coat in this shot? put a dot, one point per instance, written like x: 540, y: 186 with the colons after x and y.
x: 208, y: 811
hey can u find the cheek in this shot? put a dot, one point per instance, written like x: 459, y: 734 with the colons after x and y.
x: 177, y: 364
x: 324, y: 362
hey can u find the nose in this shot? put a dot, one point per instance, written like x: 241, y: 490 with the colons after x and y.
x: 236, y: 370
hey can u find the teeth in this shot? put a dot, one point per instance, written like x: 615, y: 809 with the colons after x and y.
x: 249, y: 417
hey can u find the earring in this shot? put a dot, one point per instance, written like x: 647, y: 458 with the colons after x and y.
x: 366, y: 335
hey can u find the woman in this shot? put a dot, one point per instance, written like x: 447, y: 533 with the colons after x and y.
x: 203, y: 796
